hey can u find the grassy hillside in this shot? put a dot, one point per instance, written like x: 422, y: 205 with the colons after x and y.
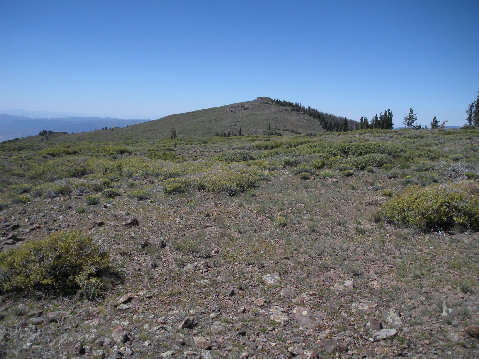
x: 252, y: 246
x: 259, y: 117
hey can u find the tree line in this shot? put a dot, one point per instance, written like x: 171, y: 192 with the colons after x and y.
x: 328, y: 122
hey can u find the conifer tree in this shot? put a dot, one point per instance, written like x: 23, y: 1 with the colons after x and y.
x: 410, y: 119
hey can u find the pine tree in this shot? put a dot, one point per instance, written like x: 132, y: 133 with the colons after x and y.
x: 434, y: 123
x: 410, y: 119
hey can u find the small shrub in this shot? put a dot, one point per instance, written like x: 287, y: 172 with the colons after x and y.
x: 176, y: 185
x: 325, y: 174
x: 141, y: 195
x: 22, y: 198
x: 93, y: 200
x: 111, y: 193
x: 62, y: 263
x: 80, y: 210
x: 388, y: 192
x: 435, y: 207
x: 281, y: 222
x: 21, y: 188
x: 347, y: 173
x: 3, y: 206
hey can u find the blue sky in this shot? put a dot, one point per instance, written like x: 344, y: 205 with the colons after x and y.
x: 148, y: 59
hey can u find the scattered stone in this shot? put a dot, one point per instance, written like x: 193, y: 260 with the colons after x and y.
x: 119, y: 334
x: 99, y: 224
x: 383, y: 334
x: 242, y: 310
x: 309, y: 355
x: 217, y: 327
x: 79, y: 349
x: 295, y: 350
x: 56, y: 316
x: 202, y: 342
x: 393, y: 319
x: 332, y: 345
x: 287, y: 292
x: 374, y: 325
x: 188, y: 323
x: 205, y: 354
x: 244, y: 355
x: 132, y: 222
x: 231, y: 292
x: 123, y: 307
x: 118, y: 355
x: 126, y: 298
x: 363, y: 306
x: 37, y: 320
x: 145, y: 244
x: 306, y: 318
x: 347, y: 285
x: 129, y: 352
x: 168, y: 354
x: 162, y: 243
x: 472, y: 330
x: 259, y: 302
x: 279, y: 315
x: 271, y: 279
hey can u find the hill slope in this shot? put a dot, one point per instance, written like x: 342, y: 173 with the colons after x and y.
x: 257, y: 117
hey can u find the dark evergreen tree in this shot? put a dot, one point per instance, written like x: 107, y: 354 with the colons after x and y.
x: 410, y: 120
x: 434, y: 123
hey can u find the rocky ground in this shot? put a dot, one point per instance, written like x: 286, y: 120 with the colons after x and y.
x: 292, y: 268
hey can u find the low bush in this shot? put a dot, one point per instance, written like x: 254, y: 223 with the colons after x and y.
x: 435, y: 207
x: 141, y: 195
x: 111, y: 193
x: 62, y: 263
x: 176, y: 185
x: 93, y: 200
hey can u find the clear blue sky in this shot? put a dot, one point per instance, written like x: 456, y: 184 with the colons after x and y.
x: 151, y: 58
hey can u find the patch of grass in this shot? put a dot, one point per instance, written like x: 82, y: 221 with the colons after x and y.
x: 63, y: 263
x: 436, y: 207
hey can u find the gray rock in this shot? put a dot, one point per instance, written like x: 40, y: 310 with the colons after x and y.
x: 132, y: 222
x: 56, y: 316
x: 472, y: 330
x: 279, y: 315
x: 127, y: 298
x: 168, y: 354
x: 37, y: 320
x: 119, y: 334
x: 188, y: 323
x: 374, y: 325
x: 306, y: 318
x: 393, y: 319
x: 205, y: 354
x: 123, y: 307
x: 383, y: 334
x: 271, y: 279
x: 332, y: 345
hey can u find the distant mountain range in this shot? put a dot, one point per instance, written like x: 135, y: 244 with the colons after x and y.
x: 12, y: 126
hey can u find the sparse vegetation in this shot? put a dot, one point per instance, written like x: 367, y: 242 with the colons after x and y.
x: 223, y: 213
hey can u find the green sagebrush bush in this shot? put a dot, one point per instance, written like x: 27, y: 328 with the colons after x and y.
x: 61, y: 263
x: 435, y: 207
